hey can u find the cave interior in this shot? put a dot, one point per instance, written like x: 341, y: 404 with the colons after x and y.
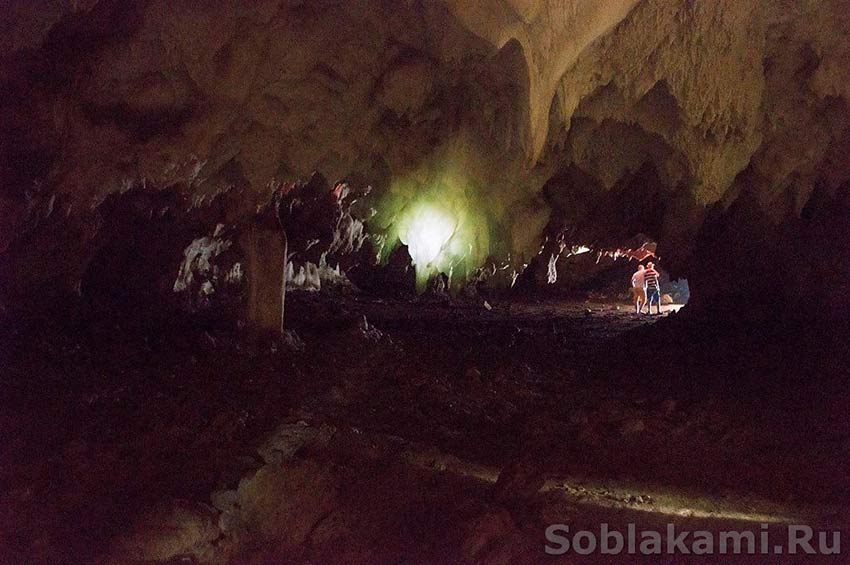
x: 324, y: 281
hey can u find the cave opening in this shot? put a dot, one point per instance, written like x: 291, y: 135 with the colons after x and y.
x: 613, y: 277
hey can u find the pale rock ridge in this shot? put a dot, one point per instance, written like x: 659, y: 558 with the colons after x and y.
x: 552, y: 33
x: 713, y: 100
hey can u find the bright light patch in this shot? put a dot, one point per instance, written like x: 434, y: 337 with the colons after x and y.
x: 442, y: 222
x: 427, y: 234
x: 433, y: 236
x: 622, y: 496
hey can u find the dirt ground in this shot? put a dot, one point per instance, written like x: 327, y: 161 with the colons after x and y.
x: 409, y: 431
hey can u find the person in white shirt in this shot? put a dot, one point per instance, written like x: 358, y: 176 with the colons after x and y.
x: 639, y: 289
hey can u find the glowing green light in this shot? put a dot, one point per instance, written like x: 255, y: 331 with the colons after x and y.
x: 434, y: 235
x: 426, y: 234
x: 439, y: 215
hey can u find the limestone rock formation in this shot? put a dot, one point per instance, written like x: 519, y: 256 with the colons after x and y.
x: 707, y: 126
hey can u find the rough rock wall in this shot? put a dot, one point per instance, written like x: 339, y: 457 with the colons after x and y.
x: 110, y: 95
x: 688, y: 108
x: 619, y: 117
x: 552, y: 34
x: 710, y: 87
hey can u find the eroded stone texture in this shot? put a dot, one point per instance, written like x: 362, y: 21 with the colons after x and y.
x: 171, y: 531
x: 647, y: 116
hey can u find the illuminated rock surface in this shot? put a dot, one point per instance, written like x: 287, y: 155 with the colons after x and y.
x: 697, y: 108
x: 154, y: 152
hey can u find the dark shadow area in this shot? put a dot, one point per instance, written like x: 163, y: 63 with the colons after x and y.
x: 108, y: 419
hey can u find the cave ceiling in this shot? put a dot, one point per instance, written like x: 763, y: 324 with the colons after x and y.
x: 528, y: 110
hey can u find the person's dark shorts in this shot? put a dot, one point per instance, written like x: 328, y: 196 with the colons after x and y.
x: 653, y: 295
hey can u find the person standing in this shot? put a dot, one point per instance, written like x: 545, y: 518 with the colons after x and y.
x: 653, y: 286
x: 639, y: 288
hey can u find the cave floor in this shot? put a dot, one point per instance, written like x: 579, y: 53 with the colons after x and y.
x: 384, y: 441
